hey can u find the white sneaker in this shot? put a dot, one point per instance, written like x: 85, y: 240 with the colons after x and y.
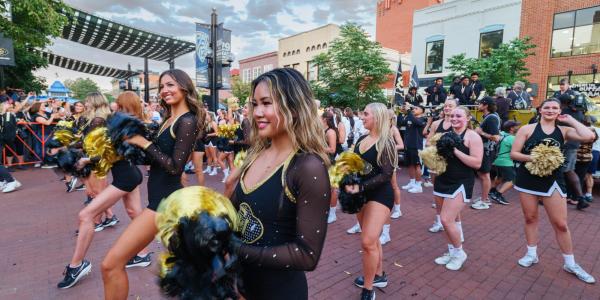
x: 580, y: 273
x: 2, y: 185
x: 433, y: 205
x: 416, y: 189
x: 354, y: 229
x: 384, y: 239
x: 528, y: 260
x: 331, y: 218
x: 396, y: 214
x: 479, y: 205
x: 436, y: 227
x: 427, y: 184
x: 408, y: 186
x: 456, y: 261
x: 11, y: 186
x: 207, y: 170
x: 213, y: 172
x: 444, y: 259
x: 225, y: 177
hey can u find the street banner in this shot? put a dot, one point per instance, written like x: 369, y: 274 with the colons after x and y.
x: 7, y: 54
x: 224, y: 54
x: 398, y: 88
x: 414, y: 77
x: 592, y: 90
x: 202, y: 50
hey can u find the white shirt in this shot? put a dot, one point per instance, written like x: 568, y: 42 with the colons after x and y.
x: 347, y: 128
x: 359, y: 129
x: 596, y: 145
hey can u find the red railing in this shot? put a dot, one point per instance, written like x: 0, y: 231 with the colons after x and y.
x: 26, y: 146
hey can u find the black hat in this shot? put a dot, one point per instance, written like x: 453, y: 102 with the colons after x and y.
x: 487, y: 101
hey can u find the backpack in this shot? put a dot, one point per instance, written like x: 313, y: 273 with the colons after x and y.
x: 350, y: 139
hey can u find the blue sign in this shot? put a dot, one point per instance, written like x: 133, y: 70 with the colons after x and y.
x: 202, y: 50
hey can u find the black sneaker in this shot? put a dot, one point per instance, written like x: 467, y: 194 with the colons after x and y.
x: 87, y: 201
x: 379, y: 281
x: 71, y: 185
x: 581, y: 203
x: 110, y: 222
x: 499, y: 198
x: 138, y: 261
x: 73, y: 275
x: 80, y: 188
x: 588, y: 198
x: 367, y: 295
x: 97, y: 227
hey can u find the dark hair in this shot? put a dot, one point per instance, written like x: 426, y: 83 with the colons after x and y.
x: 190, y: 95
x: 35, y: 108
x: 328, y: 116
x: 564, y: 81
x: 474, y: 73
x: 491, y: 104
x: 549, y: 100
x: 439, y: 78
x: 412, y: 88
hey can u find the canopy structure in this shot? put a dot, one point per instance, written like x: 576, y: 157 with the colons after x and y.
x: 87, y: 29
x: 85, y: 67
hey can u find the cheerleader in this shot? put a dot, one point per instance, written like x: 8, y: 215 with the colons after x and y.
x: 210, y: 144
x: 334, y: 147
x: 455, y: 185
x: 379, y: 151
x: 168, y: 154
x: 282, y: 189
x: 198, y: 157
x: 549, y: 189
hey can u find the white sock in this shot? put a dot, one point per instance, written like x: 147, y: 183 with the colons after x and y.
x: 569, y: 259
x: 386, y: 229
x: 77, y: 266
x: 450, y: 248
x: 412, y: 181
x: 332, y: 210
x: 459, y: 227
x: 418, y: 183
x: 143, y: 255
x: 532, y: 251
x: 438, y: 219
x: 396, y: 207
x: 588, y: 194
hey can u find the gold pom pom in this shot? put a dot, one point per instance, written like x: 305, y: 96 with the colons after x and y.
x: 346, y: 163
x: 238, y: 161
x: 65, y: 137
x: 97, y: 144
x: 227, y: 130
x: 189, y: 202
x: 545, y: 160
x: 233, y: 103
x: 432, y: 160
x: 65, y: 124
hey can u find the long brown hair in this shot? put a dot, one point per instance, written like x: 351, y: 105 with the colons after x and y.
x: 190, y: 95
x: 130, y: 102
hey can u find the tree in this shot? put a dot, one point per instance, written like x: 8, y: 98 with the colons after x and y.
x: 80, y: 87
x: 240, y: 89
x: 501, y: 68
x: 352, y: 71
x: 34, y: 23
x: 109, y: 97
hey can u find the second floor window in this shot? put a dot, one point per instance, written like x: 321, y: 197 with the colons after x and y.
x: 434, y: 57
x: 576, y: 32
x: 488, y: 41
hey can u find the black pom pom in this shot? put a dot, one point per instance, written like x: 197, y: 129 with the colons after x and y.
x: 53, y: 144
x: 351, y: 203
x: 67, y: 161
x: 446, y: 144
x: 122, y: 126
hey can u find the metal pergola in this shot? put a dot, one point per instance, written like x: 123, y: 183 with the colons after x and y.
x: 85, y: 67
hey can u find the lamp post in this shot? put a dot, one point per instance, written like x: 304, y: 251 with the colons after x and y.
x: 214, y: 91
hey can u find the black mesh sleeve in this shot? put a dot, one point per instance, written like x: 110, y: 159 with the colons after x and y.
x: 309, y: 183
x: 185, y: 131
x: 385, y: 177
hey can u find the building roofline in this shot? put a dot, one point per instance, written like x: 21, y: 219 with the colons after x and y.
x: 264, y: 55
x: 314, y: 29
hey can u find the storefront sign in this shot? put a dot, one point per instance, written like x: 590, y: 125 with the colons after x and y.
x: 592, y: 90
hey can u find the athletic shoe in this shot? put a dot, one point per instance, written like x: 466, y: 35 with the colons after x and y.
x: 427, y: 184
x: 87, y: 201
x: 48, y: 166
x: 80, y: 188
x: 37, y: 165
x: 11, y: 186
x: 433, y: 205
x: 378, y: 281
x: 396, y: 214
x: 384, y: 239
x: 138, y: 261
x: 416, y: 189
x: 499, y: 198
x: 479, y: 205
x: 588, y: 198
x: 578, y: 271
x: 581, y: 203
x: 436, y: 227
x: 456, y: 261
x: 367, y: 295
x: 444, y: 259
x: 2, y: 185
x: 97, y: 227
x: 73, y: 275
x: 207, y: 170
x: 225, y: 177
x: 354, y: 229
x: 528, y: 260
x: 110, y: 222
x: 213, y: 172
x: 408, y: 186
x: 331, y: 218
x: 71, y: 185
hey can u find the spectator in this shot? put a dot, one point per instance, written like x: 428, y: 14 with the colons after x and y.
x: 564, y: 88
x: 463, y: 92
x: 504, y: 166
x: 436, y: 94
x: 38, y: 112
x: 520, y: 99
x: 585, y: 157
x: 589, y: 179
x: 413, y: 97
x: 477, y: 88
x: 413, y: 142
x: 7, y: 182
x: 343, y: 126
x: 455, y: 83
x: 502, y: 104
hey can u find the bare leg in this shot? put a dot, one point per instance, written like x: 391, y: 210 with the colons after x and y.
x: 529, y: 204
x: 374, y: 215
x: 450, y: 211
x: 133, y: 205
x: 486, y: 184
x: 197, y: 161
x: 556, y: 208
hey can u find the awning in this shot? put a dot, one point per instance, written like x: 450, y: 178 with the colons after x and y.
x: 85, y: 67
x: 87, y: 29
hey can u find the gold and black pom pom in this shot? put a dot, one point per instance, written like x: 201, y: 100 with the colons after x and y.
x: 98, y: 146
x: 545, y: 160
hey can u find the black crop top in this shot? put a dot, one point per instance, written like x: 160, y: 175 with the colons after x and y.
x: 284, y: 218
x: 380, y: 174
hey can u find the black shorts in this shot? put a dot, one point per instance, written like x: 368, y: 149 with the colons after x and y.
x: 411, y: 157
x: 506, y: 173
x: 199, y: 146
x: 126, y: 176
x: 486, y: 163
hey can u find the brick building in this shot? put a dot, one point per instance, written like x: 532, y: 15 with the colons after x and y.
x: 252, y: 67
x: 567, y: 35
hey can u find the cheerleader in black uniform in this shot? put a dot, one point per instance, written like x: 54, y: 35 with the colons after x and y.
x: 282, y: 189
x: 379, y: 151
x: 550, y: 189
x: 198, y: 157
x: 168, y: 154
x: 334, y: 147
x: 210, y: 144
x: 455, y: 185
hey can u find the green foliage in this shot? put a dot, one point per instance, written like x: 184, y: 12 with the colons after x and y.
x: 240, y: 90
x: 352, y: 71
x: 503, y: 67
x: 80, y: 87
x: 109, y: 97
x: 34, y: 24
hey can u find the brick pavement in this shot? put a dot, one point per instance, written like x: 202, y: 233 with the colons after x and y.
x: 37, y: 238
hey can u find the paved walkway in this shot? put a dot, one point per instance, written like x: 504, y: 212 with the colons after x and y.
x: 37, y: 227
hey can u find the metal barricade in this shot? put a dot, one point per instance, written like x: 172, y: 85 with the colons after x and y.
x: 27, y: 147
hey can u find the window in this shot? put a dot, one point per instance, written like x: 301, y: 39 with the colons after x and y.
x: 576, y: 32
x: 246, y: 75
x: 553, y: 81
x: 434, y: 57
x: 256, y: 71
x: 488, y: 41
x: 324, y: 46
x: 307, y: 49
x: 312, y: 72
x: 319, y: 47
x: 267, y: 68
x: 296, y: 66
x: 284, y: 54
x: 313, y: 48
x: 286, y: 66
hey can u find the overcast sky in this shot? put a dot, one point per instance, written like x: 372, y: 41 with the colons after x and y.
x: 256, y: 26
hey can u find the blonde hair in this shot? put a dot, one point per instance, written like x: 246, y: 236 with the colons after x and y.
x: 467, y: 114
x: 383, y: 126
x: 294, y: 101
x: 98, y: 107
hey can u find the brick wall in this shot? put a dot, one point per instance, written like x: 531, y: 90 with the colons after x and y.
x: 536, y: 22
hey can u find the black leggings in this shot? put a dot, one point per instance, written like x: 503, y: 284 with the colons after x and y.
x: 4, y: 174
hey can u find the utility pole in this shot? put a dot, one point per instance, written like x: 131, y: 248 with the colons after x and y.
x: 214, y: 91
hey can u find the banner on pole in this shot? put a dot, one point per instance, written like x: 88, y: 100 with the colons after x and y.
x: 7, y: 53
x: 223, y: 55
x: 202, y: 50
